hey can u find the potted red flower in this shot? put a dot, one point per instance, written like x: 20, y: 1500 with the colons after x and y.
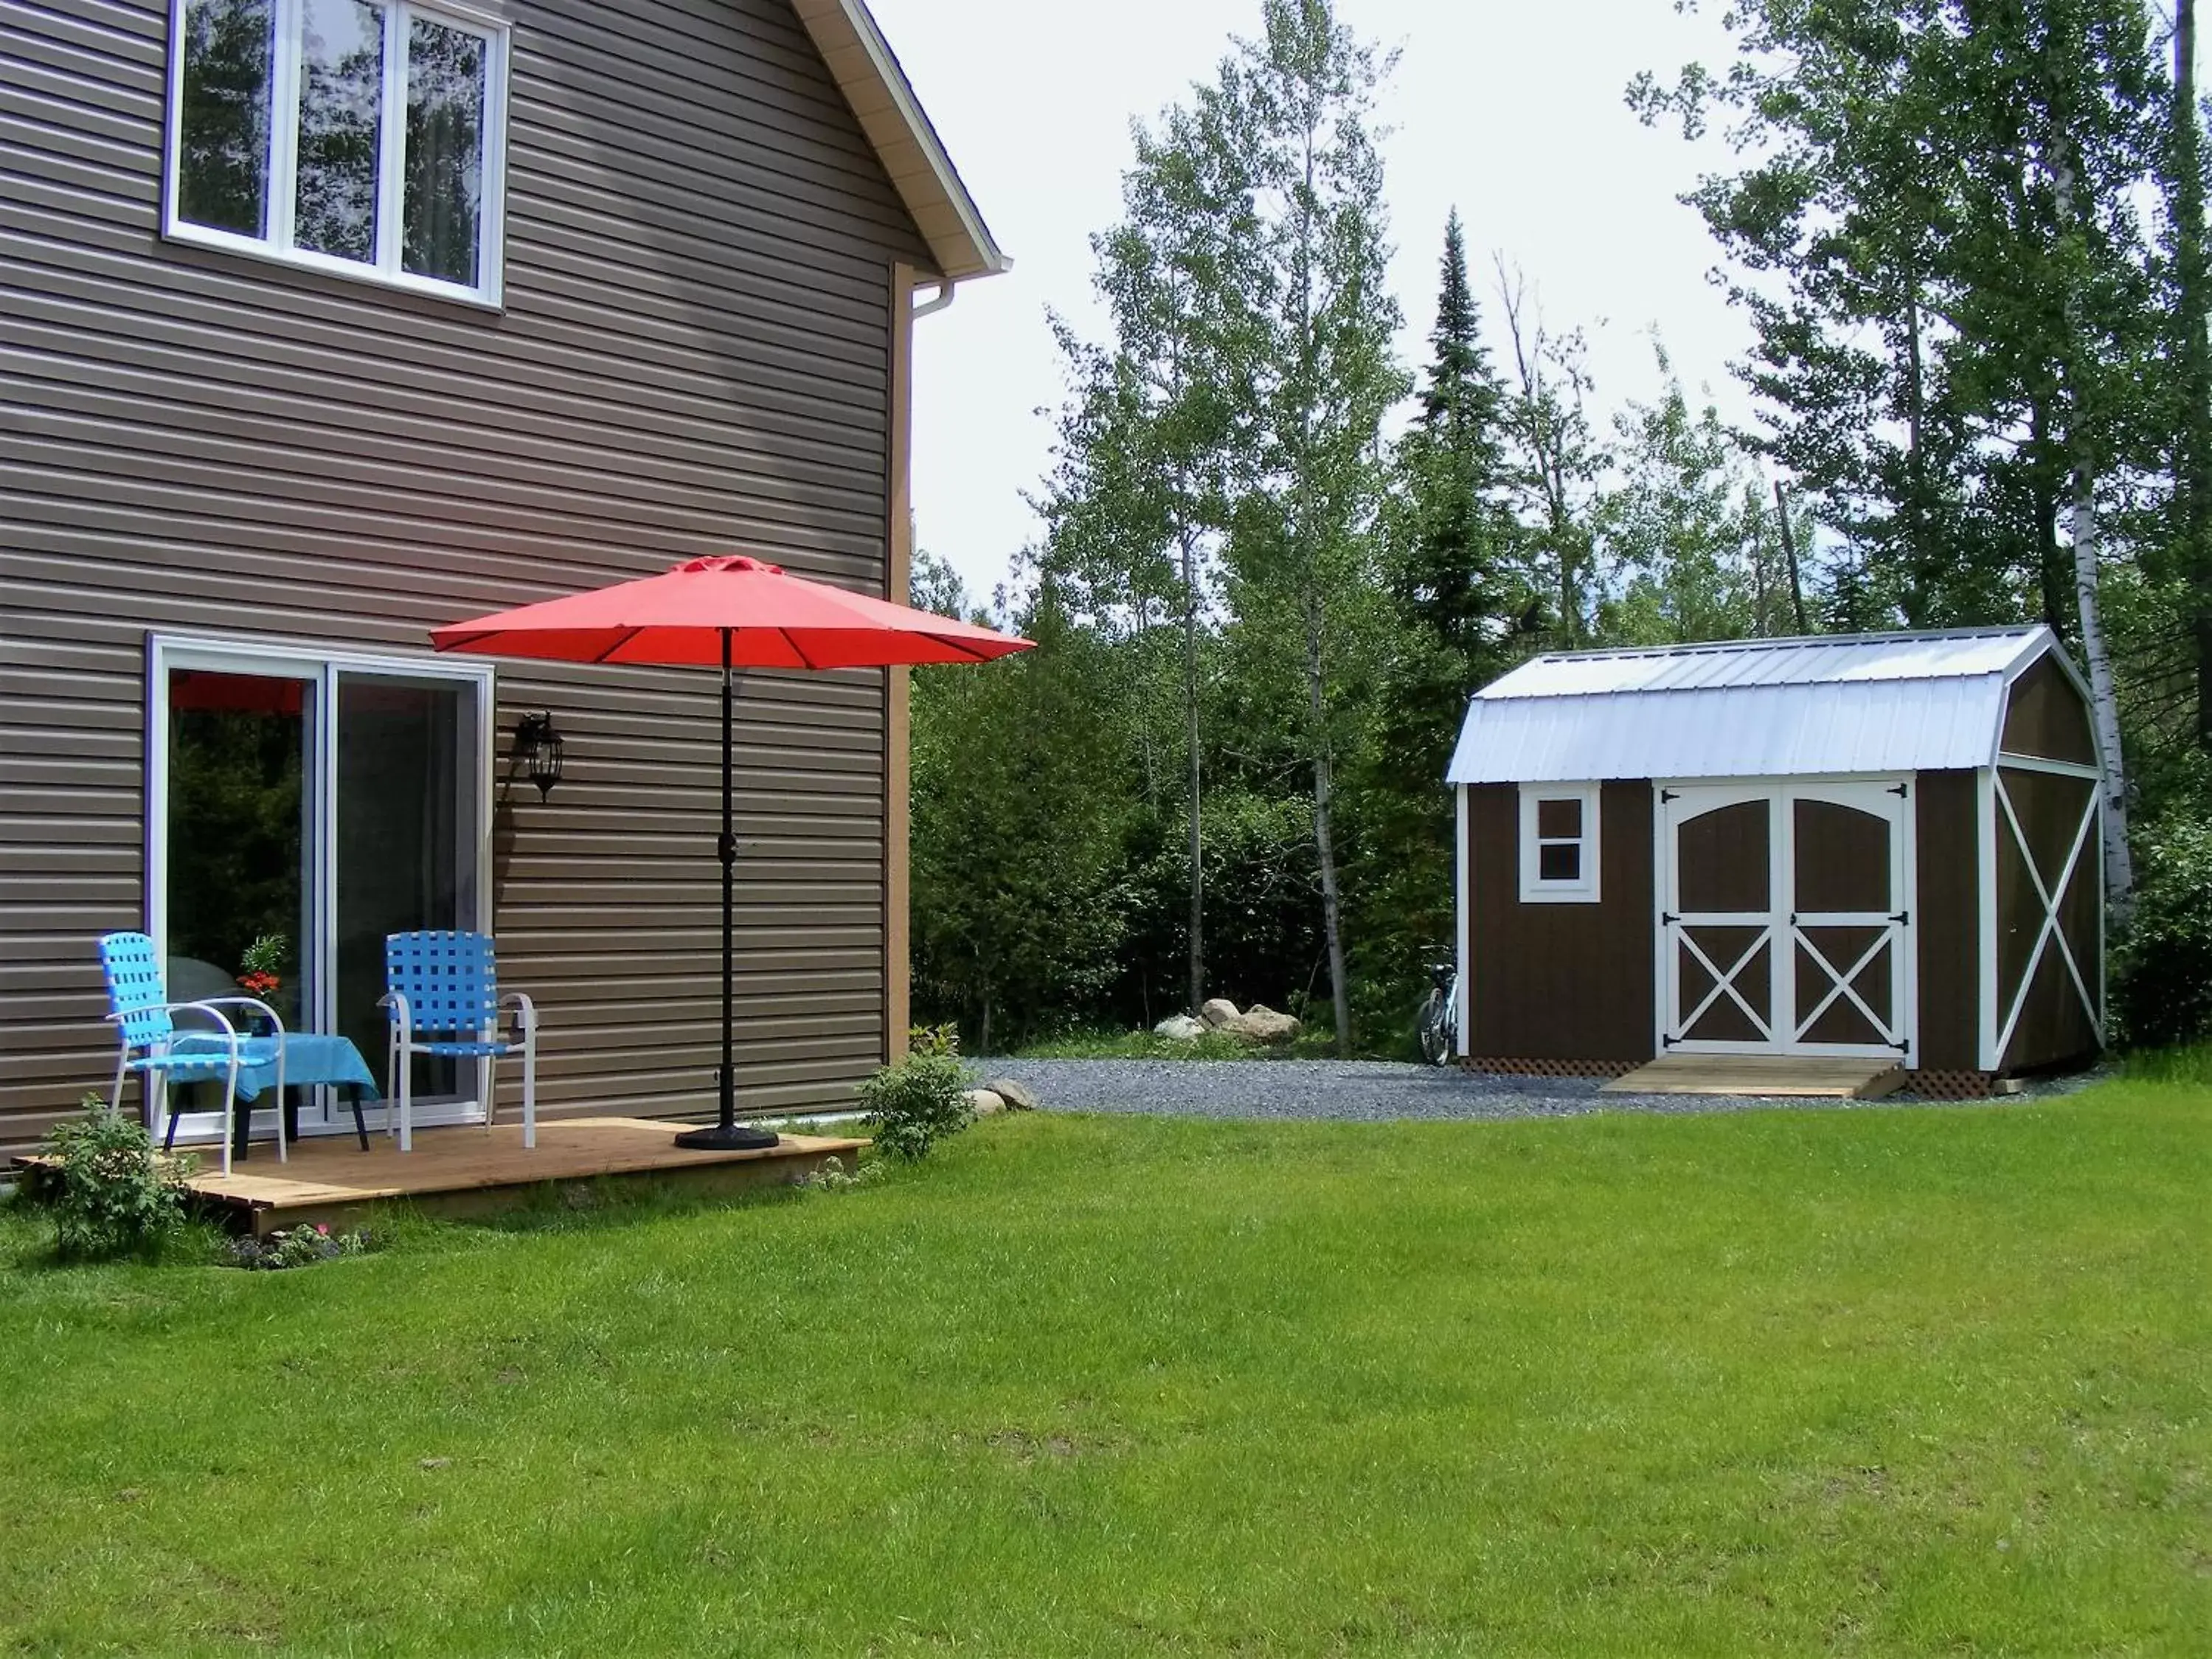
x: 260, y: 970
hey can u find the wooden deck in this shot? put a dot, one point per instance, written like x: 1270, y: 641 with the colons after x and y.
x: 1780, y: 1075
x: 470, y: 1172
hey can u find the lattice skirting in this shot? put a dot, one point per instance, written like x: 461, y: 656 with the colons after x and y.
x: 1510, y: 1067
x: 1952, y: 1085
x: 1934, y: 1084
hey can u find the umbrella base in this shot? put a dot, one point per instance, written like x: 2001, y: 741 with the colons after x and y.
x: 731, y: 1138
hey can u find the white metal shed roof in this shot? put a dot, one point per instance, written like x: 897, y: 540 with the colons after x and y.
x: 1864, y: 702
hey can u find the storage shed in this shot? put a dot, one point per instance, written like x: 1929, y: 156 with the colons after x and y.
x: 1872, y: 846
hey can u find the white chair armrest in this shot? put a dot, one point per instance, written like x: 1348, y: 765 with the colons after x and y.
x: 228, y: 1032
x: 208, y: 1008
x: 529, y: 1008
x: 397, y: 1002
x: 275, y: 1018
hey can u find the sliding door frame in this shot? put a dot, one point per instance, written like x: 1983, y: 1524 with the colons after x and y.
x: 321, y: 666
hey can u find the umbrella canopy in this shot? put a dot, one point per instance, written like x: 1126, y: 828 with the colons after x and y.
x: 731, y: 613
x: 774, y: 620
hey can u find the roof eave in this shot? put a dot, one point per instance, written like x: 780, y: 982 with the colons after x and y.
x: 868, y: 73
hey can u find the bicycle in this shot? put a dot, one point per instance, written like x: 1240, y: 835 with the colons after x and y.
x: 1439, y: 1022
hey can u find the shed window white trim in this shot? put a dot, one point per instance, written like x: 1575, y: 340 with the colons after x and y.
x: 364, y: 138
x: 1559, y: 843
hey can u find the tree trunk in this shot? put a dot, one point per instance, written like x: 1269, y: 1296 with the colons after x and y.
x: 1571, y: 604
x: 1920, y: 557
x: 2050, y: 560
x: 2119, y: 869
x: 1190, y: 722
x: 1332, y: 908
x: 1313, y: 600
x: 983, y: 1036
x: 1790, y: 553
x: 2192, y: 461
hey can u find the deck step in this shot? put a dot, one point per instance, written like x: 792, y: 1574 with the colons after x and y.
x: 1781, y: 1075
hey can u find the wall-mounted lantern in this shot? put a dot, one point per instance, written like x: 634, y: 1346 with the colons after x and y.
x: 538, y: 752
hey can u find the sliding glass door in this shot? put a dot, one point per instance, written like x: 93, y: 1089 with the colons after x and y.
x: 314, y: 803
x: 407, y: 832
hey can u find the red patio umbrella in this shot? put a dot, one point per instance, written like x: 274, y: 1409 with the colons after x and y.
x: 738, y: 612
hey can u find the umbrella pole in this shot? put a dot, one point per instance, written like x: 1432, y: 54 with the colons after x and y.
x: 725, y: 1135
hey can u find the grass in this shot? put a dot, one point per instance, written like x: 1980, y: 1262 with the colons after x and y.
x: 1886, y: 1380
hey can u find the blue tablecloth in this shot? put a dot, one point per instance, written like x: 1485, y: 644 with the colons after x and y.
x: 310, y: 1057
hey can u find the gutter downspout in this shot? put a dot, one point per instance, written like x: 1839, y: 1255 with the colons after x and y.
x: 937, y: 302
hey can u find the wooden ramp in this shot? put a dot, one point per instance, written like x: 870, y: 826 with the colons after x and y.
x: 473, y: 1171
x: 1792, y: 1075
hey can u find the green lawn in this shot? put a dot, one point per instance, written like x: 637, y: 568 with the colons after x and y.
x: 1890, y: 1380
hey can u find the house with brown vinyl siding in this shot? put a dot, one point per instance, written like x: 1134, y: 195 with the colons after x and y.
x: 330, y: 321
x: 1874, y: 848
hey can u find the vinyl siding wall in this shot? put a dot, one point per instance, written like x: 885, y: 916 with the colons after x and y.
x: 695, y: 357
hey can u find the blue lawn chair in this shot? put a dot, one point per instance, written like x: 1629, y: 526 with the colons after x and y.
x: 441, y: 992
x: 152, y: 1047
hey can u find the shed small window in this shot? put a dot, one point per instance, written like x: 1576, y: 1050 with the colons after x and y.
x: 1559, y: 843
x: 361, y: 137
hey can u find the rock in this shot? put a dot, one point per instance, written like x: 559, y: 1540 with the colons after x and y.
x: 1180, y: 1027
x: 1217, y: 1010
x: 1259, y: 1024
x: 1018, y: 1097
x: 986, y: 1102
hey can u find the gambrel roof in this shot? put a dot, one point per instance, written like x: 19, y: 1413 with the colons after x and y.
x: 1789, y: 707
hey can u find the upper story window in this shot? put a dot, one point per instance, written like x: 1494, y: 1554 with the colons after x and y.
x: 1559, y: 843
x: 359, y: 137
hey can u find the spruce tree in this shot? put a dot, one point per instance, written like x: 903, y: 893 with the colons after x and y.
x: 1460, y: 617
x: 1453, y: 474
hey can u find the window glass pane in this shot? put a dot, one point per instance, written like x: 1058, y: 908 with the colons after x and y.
x: 222, y: 134
x: 407, y: 832
x: 445, y: 152
x: 1560, y: 860
x: 237, y: 829
x: 1560, y: 820
x: 341, y: 85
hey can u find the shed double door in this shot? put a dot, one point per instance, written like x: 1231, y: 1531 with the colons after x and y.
x: 1785, y: 918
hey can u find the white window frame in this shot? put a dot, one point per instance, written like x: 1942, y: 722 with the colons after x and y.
x: 319, y: 666
x: 1584, y: 889
x: 281, y: 177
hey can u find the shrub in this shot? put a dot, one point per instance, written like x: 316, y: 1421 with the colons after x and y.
x: 299, y: 1247
x: 2163, y: 989
x: 934, y: 1039
x: 112, y: 1194
x: 916, y: 1103
x: 834, y: 1178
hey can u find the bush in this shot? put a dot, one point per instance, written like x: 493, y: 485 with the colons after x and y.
x: 299, y: 1247
x: 834, y: 1178
x: 112, y: 1194
x: 2163, y: 990
x: 934, y: 1039
x: 916, y: 1103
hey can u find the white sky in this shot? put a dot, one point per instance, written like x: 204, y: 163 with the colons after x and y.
x: 1511, y: 110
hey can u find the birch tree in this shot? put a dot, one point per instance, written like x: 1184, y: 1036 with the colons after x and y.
x: 1138, y: 497
x: 1561, y: 460
x: 1295, y: 108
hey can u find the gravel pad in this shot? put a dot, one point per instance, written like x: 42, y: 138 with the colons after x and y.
x: 1357, y: 1091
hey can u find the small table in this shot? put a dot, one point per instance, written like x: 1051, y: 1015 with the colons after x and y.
x: 310, y: 1058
